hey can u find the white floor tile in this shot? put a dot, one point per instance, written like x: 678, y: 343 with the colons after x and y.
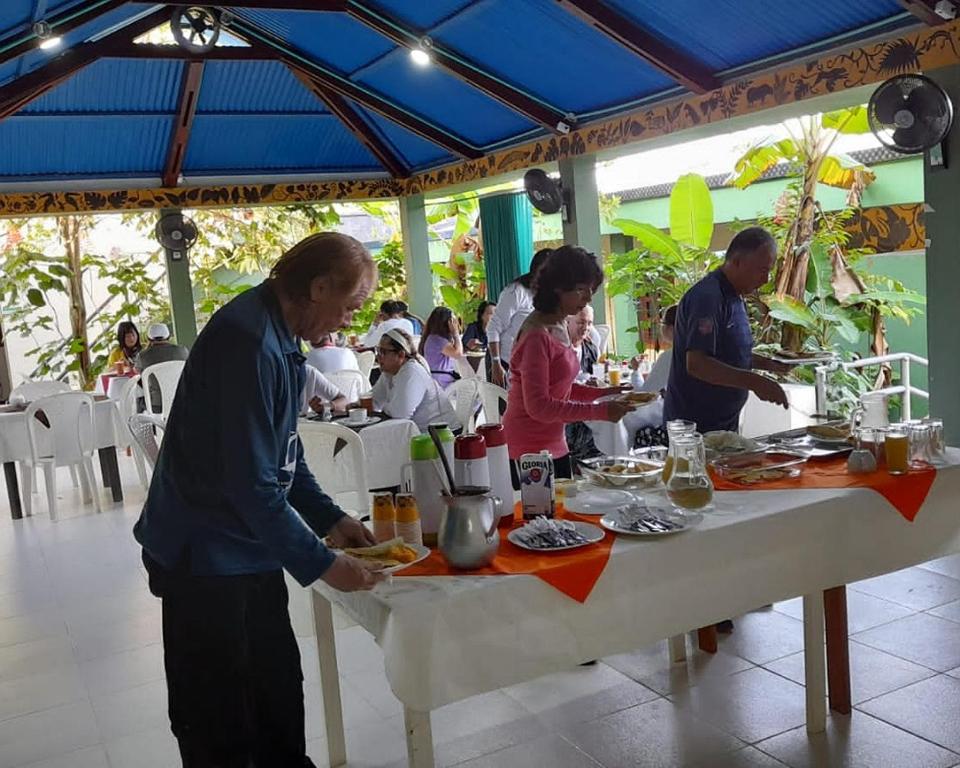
x: 921, y: 638
x: 125, y: 712
x: 123, y: 670
x: 763, y: 636
x: 915, y: 588
x: 857, y: 741
x: 749, y: 757
x: 551, y: 750
x: 863, y: 611
x: 872, y: 672
x: 478, y: 713
x: 89, y: 757
x: 153, y: 748
x: 499, y: 737
x: 51, y: 733
x: 357, y: 711
x: 109, y: 639
x: 45, y: 690
x: 947, y: 566
x: 32, y: 626
x: 36, y: 656
x: 930, y: 709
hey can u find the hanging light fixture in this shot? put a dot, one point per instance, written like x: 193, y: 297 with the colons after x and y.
x: 48, y: 40
x: 420, y: 55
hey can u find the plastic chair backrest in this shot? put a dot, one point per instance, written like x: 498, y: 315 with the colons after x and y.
x: 142, y: 428
x: 341, y: 475
x: 70, y: 437
x: 465, y: 369
x: 167, y: 376
x: 603, y: 337
x: 464, y: 395
x: 491, y: 396
x: 31, y: 390
x: 350, y: 383
x: 365, y: 361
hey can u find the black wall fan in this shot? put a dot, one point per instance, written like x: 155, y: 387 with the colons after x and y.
x: 544, y: 193
x: 911, y: 114
x: 176, y: 233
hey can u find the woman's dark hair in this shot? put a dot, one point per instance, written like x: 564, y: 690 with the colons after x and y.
x: 320, y: 255
x: 123, y: 329
x: 483, y: 308
x: 438, y: 324
x: 539, y: 259
x: 396, y: 345
x: 392, y: 307
x: 568, y: 267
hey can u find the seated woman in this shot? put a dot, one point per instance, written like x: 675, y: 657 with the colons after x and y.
x: 475, y: 336
x: 319, y: 390
x: 123, y: 356
x: 645, y: 425
x: 405, y: 389
x: 440, y: 345
x: 543, y: 366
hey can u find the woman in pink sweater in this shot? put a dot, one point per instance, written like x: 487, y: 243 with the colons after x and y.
x: 543, y: 396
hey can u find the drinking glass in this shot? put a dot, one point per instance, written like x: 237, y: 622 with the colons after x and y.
x: 937, y: 444
x: 896, y: 449
x: 919, y: 434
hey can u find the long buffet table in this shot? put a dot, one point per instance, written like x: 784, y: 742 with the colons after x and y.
x: 448, y: 638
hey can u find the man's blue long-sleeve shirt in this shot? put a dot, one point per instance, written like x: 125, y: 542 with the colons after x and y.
x: 231, y: 493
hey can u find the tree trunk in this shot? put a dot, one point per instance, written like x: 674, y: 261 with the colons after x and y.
x: 70, y: 232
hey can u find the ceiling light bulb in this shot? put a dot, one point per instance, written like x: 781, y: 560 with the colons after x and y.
x: 420, y: 57
x: 50, y: 42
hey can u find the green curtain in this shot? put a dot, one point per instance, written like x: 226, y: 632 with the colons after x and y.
x: 507, y: 225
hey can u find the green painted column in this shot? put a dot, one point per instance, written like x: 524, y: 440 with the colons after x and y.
x: 942, y: 192
x: 416, y: 254
x: 181, y: 293
x: 581, y: 225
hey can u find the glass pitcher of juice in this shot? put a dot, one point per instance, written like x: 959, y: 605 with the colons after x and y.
x: 676, y: 429
x: 689, y: 486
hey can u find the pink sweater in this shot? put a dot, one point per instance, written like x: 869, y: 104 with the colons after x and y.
x: 543, y: 396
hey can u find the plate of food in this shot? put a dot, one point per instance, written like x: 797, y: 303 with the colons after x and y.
x: 596, y: 501
x: 544, y: 534
x: 621, y: 471
x: 642, y: 520
x: 723, y: 443
x: 394, y: 555
x: 634, y: 398
x: 803, y: 357
x: 762, y: 468
x: 832, y: 434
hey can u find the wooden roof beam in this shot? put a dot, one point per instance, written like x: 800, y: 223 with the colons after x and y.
x: 355, y: 123
x: 689, y: 73
x: 133, y: 50
x: 16, y: 94
x: 923, y: 10
x: 255, y: 36
x: 283, y: 5
x: 392, y: 28
x: 186, y: 109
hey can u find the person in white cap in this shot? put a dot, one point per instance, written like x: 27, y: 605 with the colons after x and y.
x: 159, y: 350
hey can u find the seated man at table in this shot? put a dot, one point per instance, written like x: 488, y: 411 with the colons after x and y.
x: 711, y: 371
x: 318, y: 390
x: 160, y: 350
x: 579, y: 437
x: 328, y: 356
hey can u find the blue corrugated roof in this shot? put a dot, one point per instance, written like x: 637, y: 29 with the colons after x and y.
x: 115, y: 117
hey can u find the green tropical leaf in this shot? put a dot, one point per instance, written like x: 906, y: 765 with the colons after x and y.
x: 691, y: 211
x: 453, y: 298
x: 649, y: 237
x: 760, y: 158
x: 789, y: 310
x: 819, y: 271
x: 894, y: 297
x: 850, y: 120
x: 35, y: 297
x: 841, y: 171
x: 442, y: 270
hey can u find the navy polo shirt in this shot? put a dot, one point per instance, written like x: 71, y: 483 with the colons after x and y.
x: 231, y: 493
x: 711, y: 318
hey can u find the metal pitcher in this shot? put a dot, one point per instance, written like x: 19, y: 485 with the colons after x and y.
x: 468, y: 536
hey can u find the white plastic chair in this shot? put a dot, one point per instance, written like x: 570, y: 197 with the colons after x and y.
x: 365, y: 361
x: 602, y: 338
x: 167, y: 376
x: 142, y: 428
x: 29, y: 391
x: 464, y: 396
x: 69, y: 441
x: 466, y: 370
x: 491, y: 396
x: 127, y: 407
x: 341, y: 475
x: 350, y: 383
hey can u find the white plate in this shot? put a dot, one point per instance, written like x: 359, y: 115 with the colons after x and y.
x: 591, y: 533
x: 422, y: 554
x: 597, y: 501
x: 613, y: 521
x: 345, y: 421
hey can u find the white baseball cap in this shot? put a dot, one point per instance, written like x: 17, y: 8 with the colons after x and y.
x: 158, y: 331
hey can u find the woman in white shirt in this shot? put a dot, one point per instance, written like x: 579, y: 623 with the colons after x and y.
x: 513, y: 307
x: 317, y: 390
x: 405, y: 389
x: 327, y: 357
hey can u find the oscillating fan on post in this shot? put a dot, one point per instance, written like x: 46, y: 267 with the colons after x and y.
x: 544, y: 193
x: 911, y: 114
x: 176, y: 233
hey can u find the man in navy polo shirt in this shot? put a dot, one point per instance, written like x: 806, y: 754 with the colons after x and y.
x: 711, y: 371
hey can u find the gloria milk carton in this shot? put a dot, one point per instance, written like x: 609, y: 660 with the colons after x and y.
x: 536, y: 485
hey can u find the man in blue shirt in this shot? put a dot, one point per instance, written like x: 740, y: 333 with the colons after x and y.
x: 232, y: 503
x: 711, y: 371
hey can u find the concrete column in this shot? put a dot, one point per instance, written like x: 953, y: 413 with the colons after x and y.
x: 416, y: 254
x: 941, y: 188
x: 581, y: 225
x: 181, y: 293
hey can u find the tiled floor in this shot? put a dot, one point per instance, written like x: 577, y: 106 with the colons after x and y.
x: 81, y: 676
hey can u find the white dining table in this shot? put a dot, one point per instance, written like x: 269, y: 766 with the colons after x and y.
x: 15, y: 447
x: 446, y: 638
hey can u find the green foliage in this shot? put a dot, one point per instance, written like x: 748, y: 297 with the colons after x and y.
x: 391, y: 284
x: 691, y: 211
x: 460, y: 289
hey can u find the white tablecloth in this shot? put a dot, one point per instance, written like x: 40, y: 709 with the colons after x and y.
x: 447, y: 638
x: 387, y: 448
x: 14, y: 444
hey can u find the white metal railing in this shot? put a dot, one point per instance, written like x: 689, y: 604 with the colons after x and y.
x: 904, y: 387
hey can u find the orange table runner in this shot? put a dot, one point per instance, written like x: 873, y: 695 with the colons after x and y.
x: 573, y: 572
x: 905, y: 492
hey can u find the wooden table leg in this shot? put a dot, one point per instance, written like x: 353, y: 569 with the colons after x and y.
x: 813, y: 661
x: 13, y: 490
x: 419, y: 739
x: 111, y: 472
x: 329, y: 679
x: 838, y: 649
x: 707, y: 639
